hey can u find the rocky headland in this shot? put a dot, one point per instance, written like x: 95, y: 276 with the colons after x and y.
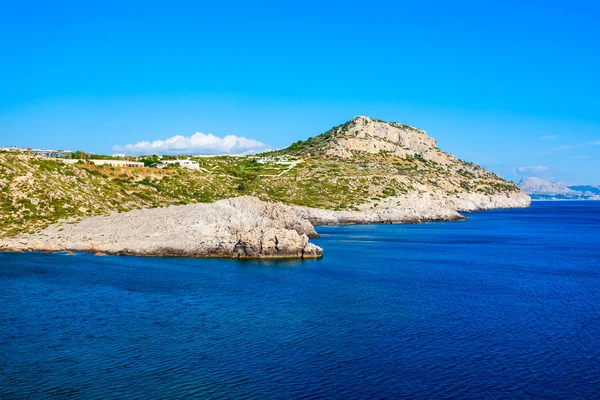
x: 243, y: 227
x: 365, y: 171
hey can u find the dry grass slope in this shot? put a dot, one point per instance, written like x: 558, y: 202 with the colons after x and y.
x: 36, y: 192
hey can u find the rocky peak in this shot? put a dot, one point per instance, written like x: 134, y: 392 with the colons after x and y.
x: 373, y: 136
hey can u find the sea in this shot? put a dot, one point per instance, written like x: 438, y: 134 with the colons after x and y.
x: 503, y: 305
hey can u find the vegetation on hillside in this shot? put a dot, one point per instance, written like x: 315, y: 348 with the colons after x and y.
x: 35, y: 192
x: 318, y: 145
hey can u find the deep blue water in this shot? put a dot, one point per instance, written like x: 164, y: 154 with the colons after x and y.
x: 505, y: 305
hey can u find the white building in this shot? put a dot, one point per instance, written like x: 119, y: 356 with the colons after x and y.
x: 219, y: 155
x: 118, y: 155
x: 119, y: 163
x: 274, y: 160
x: 37, y: 152
x: 112, y: 163
x: 51, y: 153
x: 182, y: 163
x: 13, y: 149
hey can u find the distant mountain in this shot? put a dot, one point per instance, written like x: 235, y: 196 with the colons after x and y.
x: 544, y: 189
x: 591, y: 190
x: 541, y: 186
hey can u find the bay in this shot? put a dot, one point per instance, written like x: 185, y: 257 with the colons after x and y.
x: 505, y: 304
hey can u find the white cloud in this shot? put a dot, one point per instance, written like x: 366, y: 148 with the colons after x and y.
x: 198, y: 143
x: 550, y: 137
x: 573, y: 146
x: 531, y: 170
x: 581, y: 157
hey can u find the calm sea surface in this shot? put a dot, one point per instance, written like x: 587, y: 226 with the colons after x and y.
x: 505, y: 305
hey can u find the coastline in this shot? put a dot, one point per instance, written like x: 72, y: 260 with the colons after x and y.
x: 241, y: 227
x: 414, y: 208
x: 532, y: 199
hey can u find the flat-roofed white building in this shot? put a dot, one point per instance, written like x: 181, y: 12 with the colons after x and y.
x: 274, y: 160
x: 219, y: 155
x: 51, y: 153
x: 119, y: 163
x: 190, y: 164
x: 112, y: 163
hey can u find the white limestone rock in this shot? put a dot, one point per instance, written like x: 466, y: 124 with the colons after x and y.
x: 372, y: 136
x: 415, y: 208
x: 242, y: 227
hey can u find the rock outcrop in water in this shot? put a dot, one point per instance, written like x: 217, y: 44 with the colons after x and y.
x: 242, y: 227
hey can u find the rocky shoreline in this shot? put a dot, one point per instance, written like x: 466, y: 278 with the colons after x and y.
x: 414, y: 208
x: 242, y: 227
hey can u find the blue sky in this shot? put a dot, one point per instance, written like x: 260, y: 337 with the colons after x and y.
x: 511, y: 85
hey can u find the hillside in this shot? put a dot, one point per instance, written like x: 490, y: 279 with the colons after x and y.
x: 35, y: 192
x: 361, y: 165
x: 400, y: 158
x: 373, y: 136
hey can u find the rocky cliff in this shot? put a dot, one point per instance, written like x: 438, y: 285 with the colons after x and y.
x: 242, y: 227
x: 374, y: 136
x: 414, y: 208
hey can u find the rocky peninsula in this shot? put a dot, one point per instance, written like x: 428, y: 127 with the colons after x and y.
x: 365, y: 171
x: 243, y: 227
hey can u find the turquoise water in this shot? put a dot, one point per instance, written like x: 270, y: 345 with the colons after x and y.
x: 506, y: 304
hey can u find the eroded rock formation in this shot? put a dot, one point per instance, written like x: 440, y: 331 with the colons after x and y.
x: 242, y: 227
